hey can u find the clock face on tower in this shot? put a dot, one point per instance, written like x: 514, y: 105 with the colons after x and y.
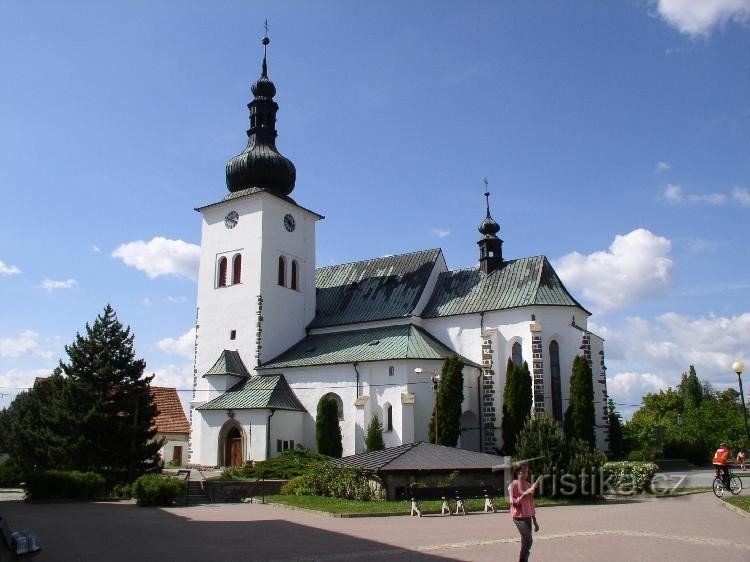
x: 289, y: 222
x: 230, y: 221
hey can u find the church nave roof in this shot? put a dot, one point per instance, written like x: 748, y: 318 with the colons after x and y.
x: 404, y: 341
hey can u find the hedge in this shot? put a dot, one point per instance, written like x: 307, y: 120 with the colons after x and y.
x: 64, y: 484
x: 156, y: 490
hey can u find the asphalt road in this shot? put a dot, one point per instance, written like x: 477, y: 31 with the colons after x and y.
x: 695, y: 527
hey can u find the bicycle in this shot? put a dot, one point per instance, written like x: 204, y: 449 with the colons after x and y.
x: 735, y: 484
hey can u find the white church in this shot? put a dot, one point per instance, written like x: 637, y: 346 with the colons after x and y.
x: 275, y: 334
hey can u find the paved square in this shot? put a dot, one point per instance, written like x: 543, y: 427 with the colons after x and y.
x: 689, y: 528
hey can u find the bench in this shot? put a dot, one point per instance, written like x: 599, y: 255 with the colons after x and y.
x: 17, y: 545
x: 446, y: 494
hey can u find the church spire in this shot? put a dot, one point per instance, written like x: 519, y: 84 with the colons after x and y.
x: 260, y: 165
x: 490, y: 246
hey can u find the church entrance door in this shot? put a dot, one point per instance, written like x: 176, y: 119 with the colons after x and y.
x: 233, y: 448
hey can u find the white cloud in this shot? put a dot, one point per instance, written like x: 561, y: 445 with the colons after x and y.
x: 662, y: 167
x: 742, y: 194
x: 26, y: 343
x: 648, y: 355
x: 52, y: 284
x: 183, y: 346
x: 176, y: 300
x: 675, y: 194
x: 161, y: 256
x: 6, y: 270
x: 14, y: 381
x: 95, y: 249
x: 637, y: 265
x: 699, y: 17
x: 440, y: 232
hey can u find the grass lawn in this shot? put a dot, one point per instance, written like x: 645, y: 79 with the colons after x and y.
x: 743, y: 502
x: 341, y: 507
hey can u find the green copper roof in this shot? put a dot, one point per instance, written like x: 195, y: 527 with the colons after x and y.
x: 521, y: 282
x: 228, y: 363
x: 378, y: 289
x: 264, y: 391
x: 405, y: 341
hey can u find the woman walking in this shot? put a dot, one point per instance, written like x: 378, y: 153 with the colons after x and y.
x: 522, y: 508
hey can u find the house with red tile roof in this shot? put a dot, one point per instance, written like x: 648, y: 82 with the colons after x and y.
x: 171, y: 425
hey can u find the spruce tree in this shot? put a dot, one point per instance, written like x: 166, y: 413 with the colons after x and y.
x: 451, y: 393
x: 580, y: 416
x: 616, y: 441
x: 109, y: 404
x: 34, y: 431
x: 509, y: 428
x: 525, y: 394
x: 327, y: 428
x: 374, y: 436
x: 691, y: 389
x: 517, y: 403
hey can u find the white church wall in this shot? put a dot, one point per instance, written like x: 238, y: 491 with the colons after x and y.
x: 286, y: 311
x: 286, y: 427
x: 223, y: 309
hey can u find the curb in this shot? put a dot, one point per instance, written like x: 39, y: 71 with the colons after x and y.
x: 736, y: 509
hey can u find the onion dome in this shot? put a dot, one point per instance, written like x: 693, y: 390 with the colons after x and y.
x: 488, y: 227
x: 261, y: 166
x: 490, y: 246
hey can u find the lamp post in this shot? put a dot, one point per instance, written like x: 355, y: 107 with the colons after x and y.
x: 738, y: 367
x: 436, y: 388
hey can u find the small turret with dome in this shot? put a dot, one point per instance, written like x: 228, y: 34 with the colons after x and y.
x: 260, y: 167
x: 490, y: 246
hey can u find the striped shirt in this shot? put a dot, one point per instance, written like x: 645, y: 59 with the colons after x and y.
x: 520, y: 507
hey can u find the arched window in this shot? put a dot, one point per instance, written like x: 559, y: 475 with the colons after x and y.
x: 388, y: 417
x: 282, y: 271
x: 222, y: 272
x: 293, y: 280
x: 236, y: 269
x: 554, y: 365
x: 339, y: 403
x: 517, y: 354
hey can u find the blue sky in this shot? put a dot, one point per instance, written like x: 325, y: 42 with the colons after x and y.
x: 614, y: 135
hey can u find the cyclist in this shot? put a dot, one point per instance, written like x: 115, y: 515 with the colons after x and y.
x: 720, y: 460
x: 741, y: 459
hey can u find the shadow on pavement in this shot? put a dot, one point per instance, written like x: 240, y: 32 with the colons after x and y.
x: 115, y: 532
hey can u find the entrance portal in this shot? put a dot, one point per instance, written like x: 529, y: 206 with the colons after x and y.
x: 233, y: 448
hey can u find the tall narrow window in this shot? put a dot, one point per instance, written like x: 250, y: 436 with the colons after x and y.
x: 388, y: 417
x: 282, y: 271
x: 554, y: 364
x: 236, y: 269
x: 517, y: 354
x: 293, y: 280
x: 222, y: 272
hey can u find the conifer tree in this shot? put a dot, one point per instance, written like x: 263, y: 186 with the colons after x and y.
x: 691, y: 389
x: 448, y: 400
x: 108, y: 403
x: 580, y: 416
x: 616, y: 441
x: 517, y: 403
x: 374, y: 436
x: 327, y: 428
x: 509, y: 427
x: 34, y: 429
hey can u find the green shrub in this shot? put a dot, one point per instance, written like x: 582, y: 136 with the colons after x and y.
x: 322, y: 479
x: 156, y: 490
x: 61, y: 484
x: 122, y: 491
x: 630, y: 476
x: 11, y: 475
x: 286, y: 465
